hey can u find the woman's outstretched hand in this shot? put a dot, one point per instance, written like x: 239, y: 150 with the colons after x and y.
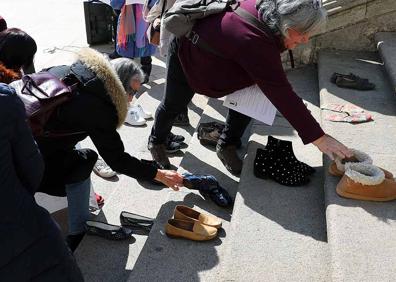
x: 332, y: 147
x: 170, y: 178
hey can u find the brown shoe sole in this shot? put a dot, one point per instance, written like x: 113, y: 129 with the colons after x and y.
x: 198, y: 240
x: 364, y: 198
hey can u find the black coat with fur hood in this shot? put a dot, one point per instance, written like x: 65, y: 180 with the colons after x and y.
x: 98, y: 108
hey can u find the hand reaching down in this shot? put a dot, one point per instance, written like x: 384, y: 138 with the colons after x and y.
x: 332, y: 147
x: 170, y: 178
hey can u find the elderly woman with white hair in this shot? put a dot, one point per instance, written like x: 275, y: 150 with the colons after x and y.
x: 248, y: 56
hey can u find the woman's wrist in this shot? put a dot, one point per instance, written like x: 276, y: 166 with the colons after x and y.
x: 158, y: 175
x: 318, y: 141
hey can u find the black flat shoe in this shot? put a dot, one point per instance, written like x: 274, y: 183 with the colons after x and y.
x: 107, y: 231
x: 136, y: 221
x: 351, y: 81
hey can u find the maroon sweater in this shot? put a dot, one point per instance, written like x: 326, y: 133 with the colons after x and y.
x: 250, y: 57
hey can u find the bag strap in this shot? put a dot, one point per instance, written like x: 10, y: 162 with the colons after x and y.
x: 248, y: 17
x: 195, y: 40
x: 72, y: 82
x: 254, y: 21
x: 163, y: 8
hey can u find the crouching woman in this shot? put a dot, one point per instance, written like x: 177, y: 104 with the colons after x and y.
x: 98, y: 107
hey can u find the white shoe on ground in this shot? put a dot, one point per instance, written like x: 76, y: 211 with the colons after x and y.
x: 102, y: 169
x: 142, y: 112
x: 134, y: 117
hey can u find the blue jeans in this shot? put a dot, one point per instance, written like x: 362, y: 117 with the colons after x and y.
x: 78, y: 205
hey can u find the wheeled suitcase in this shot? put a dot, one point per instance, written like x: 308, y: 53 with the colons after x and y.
x: 98, y: 22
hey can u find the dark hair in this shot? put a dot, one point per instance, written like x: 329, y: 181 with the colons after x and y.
x: 17, y: 48
x: 3, y: 24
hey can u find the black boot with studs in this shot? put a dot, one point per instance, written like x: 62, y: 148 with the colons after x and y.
x: 278, y: 162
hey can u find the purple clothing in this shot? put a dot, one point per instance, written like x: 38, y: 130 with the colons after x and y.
x: 250, y: 57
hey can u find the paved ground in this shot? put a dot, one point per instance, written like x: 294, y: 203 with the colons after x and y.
x: 58, y: 26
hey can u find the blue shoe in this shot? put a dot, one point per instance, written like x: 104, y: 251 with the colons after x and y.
x: 208, y: 186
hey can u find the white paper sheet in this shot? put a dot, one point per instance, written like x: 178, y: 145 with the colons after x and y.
x: 252, y: 102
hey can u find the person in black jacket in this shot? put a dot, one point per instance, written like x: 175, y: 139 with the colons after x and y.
x: 31, y: 246
x: 98, y: 108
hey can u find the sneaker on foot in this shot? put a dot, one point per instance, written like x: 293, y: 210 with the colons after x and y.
x: 102, y: 169
x: 175, y: 138
x: 134, y: 118
x: 230, y: 158
x: 158, y: 153
x: 182, y: 120
x: 172, y: 147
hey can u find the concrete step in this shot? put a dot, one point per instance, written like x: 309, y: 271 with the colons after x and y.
x: 278, y: 233
x: 386, y: 45
x: 165, y: 259
x: 361, y: 235
x: 102, y: 260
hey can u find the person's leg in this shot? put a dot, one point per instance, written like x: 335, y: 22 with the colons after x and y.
x: 78, y: 210
x: 146, y: 63
x: 235, y: 126
x: 116, y: 15
x: 182, y: 118
x: 178, y: 94
x: 230, y: 139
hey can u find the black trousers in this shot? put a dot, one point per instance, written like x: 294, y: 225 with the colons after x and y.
x: 178, y: 94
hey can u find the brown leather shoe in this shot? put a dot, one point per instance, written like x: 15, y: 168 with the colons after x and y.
x: 366, y: 182
x: 158, y: 152
x: 230, y: 158
x: 176, y: 228
x: 337, y: 167
x: 189, y: 214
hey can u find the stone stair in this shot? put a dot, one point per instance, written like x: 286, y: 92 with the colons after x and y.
x: 278, y: 233
x: 361, y: 235
x: 273, y: 233
x: 164, y: 259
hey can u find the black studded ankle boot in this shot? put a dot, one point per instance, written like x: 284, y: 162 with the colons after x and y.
x: 286, y: 147
x: 279, y: 167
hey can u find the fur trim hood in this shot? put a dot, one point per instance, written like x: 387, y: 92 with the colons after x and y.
x: 365, y: 174
x: 359, y: 155
x: 101, y: 66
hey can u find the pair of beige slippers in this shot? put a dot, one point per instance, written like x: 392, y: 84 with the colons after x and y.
x: 361, y: 180
x: 193, y: 225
